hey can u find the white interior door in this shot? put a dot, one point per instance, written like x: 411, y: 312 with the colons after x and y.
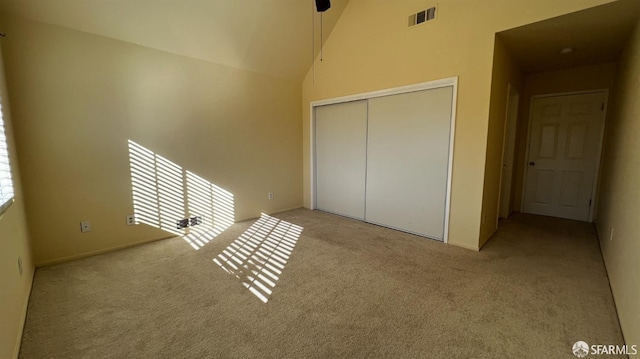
x: 407, y: 160
x: 341, y: 146
x: 564, y: 150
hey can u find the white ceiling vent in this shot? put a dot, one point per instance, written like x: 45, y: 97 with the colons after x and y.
x: 422, y: 16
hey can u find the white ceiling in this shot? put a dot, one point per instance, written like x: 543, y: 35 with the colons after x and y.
x: 597, y: 35
x: 267, y: 36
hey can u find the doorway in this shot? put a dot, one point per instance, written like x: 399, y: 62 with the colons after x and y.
x: 565, y: 142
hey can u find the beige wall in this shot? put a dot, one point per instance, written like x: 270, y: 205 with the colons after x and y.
x: 576, y: 79
x: 619, y: 204
x: 77, y: 98
x: 371, y: 48
x: 505, y: 72
x: 14, y: 243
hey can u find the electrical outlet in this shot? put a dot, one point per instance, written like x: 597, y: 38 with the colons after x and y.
x: 85, y: 227
x: 183, y: 223
x: 20, y: 265
x: 270, y: 195
x: 611, y: 234
x: 131, y: 220
x: 195, y: 221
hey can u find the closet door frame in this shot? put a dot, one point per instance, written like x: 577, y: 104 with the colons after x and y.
x: 451, y: 81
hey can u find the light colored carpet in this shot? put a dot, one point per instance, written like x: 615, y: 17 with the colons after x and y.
x: 349, y: 289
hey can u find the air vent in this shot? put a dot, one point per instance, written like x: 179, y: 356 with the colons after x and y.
x: 422, y: 16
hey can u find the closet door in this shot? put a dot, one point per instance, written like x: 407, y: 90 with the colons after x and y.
x: 407, y: 161
x: 341, y: 147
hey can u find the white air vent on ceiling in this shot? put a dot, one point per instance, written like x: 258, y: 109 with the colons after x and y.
x: 422, y: 16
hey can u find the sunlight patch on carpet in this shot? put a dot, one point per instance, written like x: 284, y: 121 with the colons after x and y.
x: 258, y: 257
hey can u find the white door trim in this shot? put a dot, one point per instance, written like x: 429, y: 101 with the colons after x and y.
x: 450, y: 81
x: 508, y: 150
x: 594, y: 190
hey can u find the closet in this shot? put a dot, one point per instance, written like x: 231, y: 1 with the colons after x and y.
x: 385, y: 158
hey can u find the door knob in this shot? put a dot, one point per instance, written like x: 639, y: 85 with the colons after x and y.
x: 532, y: 163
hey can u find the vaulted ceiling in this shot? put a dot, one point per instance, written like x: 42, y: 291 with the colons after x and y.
x: 273, y: 37
x: 276, y: 37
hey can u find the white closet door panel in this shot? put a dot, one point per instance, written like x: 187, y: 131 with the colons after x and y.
x: 341, y: 147
x: 407, y: 161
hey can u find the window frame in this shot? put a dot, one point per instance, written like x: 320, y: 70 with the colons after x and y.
x: 5, y: 160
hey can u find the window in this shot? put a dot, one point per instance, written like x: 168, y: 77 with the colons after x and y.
x: 6, y: 184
